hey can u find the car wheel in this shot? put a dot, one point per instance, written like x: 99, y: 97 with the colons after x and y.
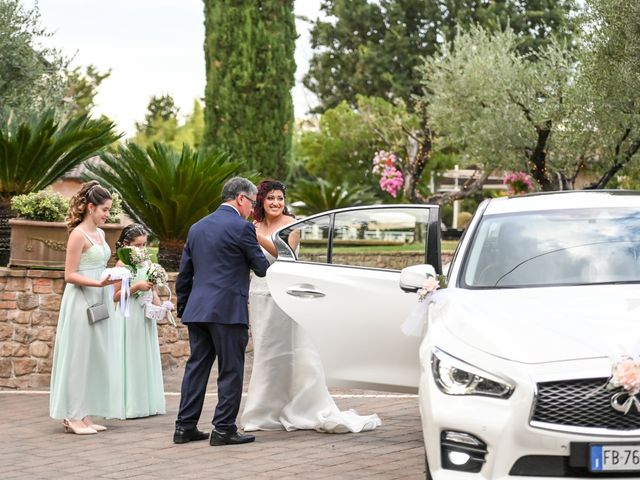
x: 426, y: 468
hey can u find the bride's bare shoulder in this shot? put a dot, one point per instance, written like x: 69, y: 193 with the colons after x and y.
x: 286, y: 220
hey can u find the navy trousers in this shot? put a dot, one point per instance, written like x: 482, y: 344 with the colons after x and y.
x: 208, y: 341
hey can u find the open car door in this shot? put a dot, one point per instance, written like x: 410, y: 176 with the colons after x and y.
x: 337, y: 276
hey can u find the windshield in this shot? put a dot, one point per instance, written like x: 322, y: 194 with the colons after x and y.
x: 561, y: 247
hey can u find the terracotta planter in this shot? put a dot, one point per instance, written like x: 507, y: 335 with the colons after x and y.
x: 44, y: 244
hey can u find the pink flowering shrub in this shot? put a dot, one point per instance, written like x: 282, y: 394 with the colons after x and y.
x: 391, y: 179
x: 517, y: 183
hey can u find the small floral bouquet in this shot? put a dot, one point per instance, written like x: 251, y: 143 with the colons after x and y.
x: 157, y: 275
x: 430, y: 285
x: 625, y: 373
x: 133, y: 257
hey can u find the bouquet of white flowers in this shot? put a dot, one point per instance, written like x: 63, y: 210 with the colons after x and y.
x: 133, y: 257
x: 157, y: 275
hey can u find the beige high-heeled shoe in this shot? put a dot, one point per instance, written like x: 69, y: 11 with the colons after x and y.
x: 70, y: 428
x: 88, y: 421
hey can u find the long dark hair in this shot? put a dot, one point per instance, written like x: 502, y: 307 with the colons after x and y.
x: 264, y: 187
x: 90, y: 192
x: 129, y: 233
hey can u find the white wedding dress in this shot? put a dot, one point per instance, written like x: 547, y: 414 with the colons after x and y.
x: 287, y: 389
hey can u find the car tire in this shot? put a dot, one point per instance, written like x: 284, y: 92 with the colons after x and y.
x: 426, y: 468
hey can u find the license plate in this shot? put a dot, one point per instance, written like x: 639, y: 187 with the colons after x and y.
x: 605, y: 458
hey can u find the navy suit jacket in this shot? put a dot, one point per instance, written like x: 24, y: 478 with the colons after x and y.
x: 213, y: 282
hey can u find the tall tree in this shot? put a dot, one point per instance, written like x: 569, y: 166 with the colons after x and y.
x: 610, y: 79
x: 249, y: 48
x: 162, y: 125
x: 498, y: 108
x: 31, y: 76
x: 372, y: 47
x: 160, y: 109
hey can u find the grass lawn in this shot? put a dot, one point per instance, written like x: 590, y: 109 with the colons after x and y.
x: 447, y: 246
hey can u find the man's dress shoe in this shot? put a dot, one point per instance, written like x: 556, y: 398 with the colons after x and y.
x: 182, y: 435
x: 219, y: 437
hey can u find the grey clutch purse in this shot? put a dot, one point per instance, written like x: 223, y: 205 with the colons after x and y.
x: 97, y: 312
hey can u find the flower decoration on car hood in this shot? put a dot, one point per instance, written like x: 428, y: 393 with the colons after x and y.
x: 625, y: 374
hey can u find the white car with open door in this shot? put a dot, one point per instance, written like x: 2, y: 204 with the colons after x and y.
x: 530, y: 364
x: 334, y: 283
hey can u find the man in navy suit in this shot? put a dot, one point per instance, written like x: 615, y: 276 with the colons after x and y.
x: 212, y: 288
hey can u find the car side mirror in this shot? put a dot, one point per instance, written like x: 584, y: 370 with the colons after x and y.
x: 412, y: 278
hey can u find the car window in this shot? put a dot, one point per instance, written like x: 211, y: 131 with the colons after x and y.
x: 565, y: 247
x: 390, y: 238
x: 309, y: 240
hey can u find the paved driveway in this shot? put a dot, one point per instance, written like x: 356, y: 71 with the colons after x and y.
x: 34, y: 446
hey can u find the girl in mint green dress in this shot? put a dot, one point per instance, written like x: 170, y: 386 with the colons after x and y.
x: 143, y: 385
x: 86, y: 377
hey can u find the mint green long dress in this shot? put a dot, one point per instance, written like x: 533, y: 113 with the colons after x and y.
x: 144, y: 390
x: 88, y: 360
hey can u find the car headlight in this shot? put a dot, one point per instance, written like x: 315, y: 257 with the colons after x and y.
x: 455, y: 377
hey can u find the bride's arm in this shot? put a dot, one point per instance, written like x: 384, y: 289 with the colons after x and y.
x: 266, y: 243
x: 294, y: 241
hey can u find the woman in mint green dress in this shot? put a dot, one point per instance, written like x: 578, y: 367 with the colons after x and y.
x: 86, y: 378
x: 143, y: 385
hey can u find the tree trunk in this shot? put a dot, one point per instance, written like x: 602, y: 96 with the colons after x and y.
x: 470, y: 187
x: 169, y: 254
x: 620, y: 162
x: 538, y: 158
x: 419, y: 151
x: 5, y: 233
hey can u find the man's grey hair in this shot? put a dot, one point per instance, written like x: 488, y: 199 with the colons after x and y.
x: 237, y: 185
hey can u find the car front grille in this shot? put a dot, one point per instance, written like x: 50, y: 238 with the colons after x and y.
x: 583, y: 403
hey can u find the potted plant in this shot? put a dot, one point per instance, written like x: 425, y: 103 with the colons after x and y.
x: 39, y: 233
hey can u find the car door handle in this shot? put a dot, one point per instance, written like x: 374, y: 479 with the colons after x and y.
x: 305, y: 291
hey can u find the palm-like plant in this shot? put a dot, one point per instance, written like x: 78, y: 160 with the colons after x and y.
x: 166, y: 190
x: 36, y: 153
x: 314, y: 196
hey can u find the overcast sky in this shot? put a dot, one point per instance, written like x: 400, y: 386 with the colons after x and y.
x: 152, y: 47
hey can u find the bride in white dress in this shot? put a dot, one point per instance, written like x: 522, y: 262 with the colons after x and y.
x: 287, y: 389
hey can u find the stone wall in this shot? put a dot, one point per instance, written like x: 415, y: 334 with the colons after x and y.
x: 29, y: 308
x: 391, y: 260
